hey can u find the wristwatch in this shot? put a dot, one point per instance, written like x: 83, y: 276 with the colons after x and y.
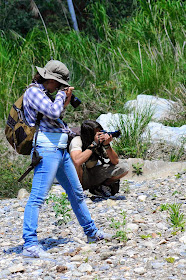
x: 106, y: 146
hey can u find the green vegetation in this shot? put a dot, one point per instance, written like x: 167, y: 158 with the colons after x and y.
x: 178, y: 175
x: 176, y: 219
x: 10, y: 171
x: 146, y: 236
x: 125, y: 186
x: 177, y: 153
x: 170, y: 260
x: 164, y: 207
x: 132, y: 128
x: 61, y: 207
x: 121, y: 234
x: 138, y: 168
x: 143, y: 55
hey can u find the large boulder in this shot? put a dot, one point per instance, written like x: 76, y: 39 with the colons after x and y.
x: 160, y: 107
x: 171, y: 137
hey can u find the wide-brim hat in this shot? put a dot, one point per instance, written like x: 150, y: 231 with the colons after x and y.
x: 55, y: 70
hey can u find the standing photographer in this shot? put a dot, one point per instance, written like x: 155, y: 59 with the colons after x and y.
x: 51, y: 146
x: 92, y: 147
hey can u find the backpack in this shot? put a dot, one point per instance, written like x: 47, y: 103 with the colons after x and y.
x: 18, y: 132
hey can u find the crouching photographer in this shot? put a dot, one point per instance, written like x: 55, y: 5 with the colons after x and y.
x: 97, y: 164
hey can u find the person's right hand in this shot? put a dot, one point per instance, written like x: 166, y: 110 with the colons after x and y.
x: 101, y: 137
x: 68, y: 92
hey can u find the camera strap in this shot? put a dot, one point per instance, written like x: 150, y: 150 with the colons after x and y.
x: 36, y: 158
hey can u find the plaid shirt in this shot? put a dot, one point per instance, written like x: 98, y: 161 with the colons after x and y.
x: 35, y: 100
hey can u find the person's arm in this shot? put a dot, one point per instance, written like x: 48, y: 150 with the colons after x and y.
x: 42, y: 103
x: 78, y: 156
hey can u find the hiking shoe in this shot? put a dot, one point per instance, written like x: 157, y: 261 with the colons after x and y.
x: 100, y: 235
x: 106, y: 190
x: 103, y: 190
x: 115, y: 187
x: 35, y: 251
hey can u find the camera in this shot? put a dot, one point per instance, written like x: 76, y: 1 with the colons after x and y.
x: 75, y: 102
x: 116, y: 133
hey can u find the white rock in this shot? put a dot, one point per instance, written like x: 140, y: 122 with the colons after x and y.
x: 132, y: 227
x: 22, y: 193
x: 160, y: 106
x: 16, y: 268
x: 85, y: 267
x: 161, y: 226
x: 142, y: 197
x: 139, y: 270
x: 183, y: 238
x: 158, y: 132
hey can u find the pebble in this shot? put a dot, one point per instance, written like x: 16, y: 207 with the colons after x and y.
x: 151, y: 240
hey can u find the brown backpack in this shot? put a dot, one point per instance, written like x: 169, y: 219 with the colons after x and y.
x: 18, y: 133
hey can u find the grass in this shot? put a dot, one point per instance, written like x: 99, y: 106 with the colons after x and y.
x: 143, y: 56
x: 132, y: 142
x: 176, y: 218
x: 11, y: 168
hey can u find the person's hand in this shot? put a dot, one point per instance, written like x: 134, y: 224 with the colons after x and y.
x: 68, y: 92
x: 101, y: 137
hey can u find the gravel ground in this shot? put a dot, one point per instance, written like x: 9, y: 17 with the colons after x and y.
x: 154, y: 249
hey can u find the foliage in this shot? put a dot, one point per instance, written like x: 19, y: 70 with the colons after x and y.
x: 132, y: 128
x: 122, y: 65
x: 120, y: 226
x: 137, y: 168
x: 10, y: 171
x: 177, y: 153
x: 176, y: 218
x: 56, y: 14
x: 164, y: 207
x: 170, y: 260
x: 125, y: 186
x: 146, y: 236
x: 178, y: 175
x: 61, y: 207
x: 177, y: 115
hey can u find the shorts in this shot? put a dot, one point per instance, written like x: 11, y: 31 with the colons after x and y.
x: 96, y: 175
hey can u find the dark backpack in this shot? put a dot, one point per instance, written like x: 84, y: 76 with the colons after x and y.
x: 18, y: 133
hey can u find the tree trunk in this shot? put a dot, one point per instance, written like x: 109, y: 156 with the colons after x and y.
x: 73, y: 15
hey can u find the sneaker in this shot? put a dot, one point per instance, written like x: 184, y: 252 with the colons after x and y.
x: 115, y: 187
x: 35, y: 251
x: 103, y: 191
x: 106, y: 190
x: 100, y: 235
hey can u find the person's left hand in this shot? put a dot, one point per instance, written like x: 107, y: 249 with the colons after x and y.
x: 102, y: 137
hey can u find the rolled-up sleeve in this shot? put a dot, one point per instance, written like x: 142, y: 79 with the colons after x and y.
x: 42, y: 103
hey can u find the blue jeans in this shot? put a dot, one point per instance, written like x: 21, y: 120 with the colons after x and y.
x: 55, y: 163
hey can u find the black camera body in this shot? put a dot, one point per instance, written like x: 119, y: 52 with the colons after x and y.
x: 75, y: 102
x: 115, y: 134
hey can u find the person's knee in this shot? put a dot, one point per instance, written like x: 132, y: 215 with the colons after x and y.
x: 36, y: 201
x: 78, y: 192
x: 123, y: 168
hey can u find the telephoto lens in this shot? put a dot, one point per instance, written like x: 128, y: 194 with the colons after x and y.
x: 75, y: 102
x: 116, y: 133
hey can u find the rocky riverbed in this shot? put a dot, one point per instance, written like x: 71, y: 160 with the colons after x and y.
x: 154, y: 249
